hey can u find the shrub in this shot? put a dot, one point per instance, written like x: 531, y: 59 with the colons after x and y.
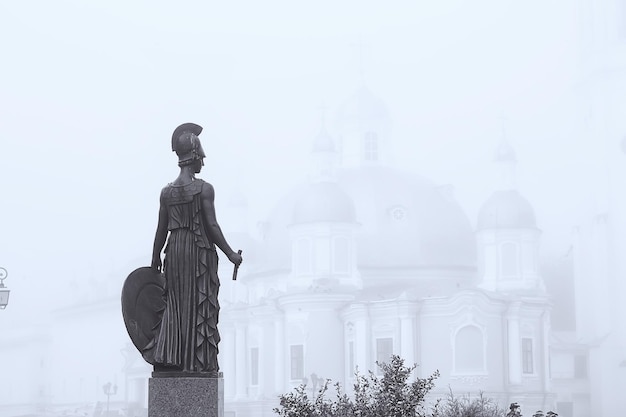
x: 465, y: 406
x: 391, y: 395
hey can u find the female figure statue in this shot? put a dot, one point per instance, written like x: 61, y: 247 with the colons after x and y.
x: 187, y: 337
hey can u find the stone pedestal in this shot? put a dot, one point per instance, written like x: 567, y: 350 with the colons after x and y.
x: 186, y: 397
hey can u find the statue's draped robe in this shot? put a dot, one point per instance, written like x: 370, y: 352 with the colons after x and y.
x: 188, y: 335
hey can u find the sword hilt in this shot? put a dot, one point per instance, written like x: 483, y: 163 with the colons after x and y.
x: 236, y: 268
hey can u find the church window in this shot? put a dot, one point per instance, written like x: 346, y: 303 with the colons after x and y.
x: 254, y: 366
x: 527, y: 356
x: 509, y: 259
x: 351, y: 366
x: 341, y: 255
x: 580, y: 366
x: 297, y: 362
x: 384, y: 350
x: 370, y: 147
x: 303, y: 257
x: 469, y: 351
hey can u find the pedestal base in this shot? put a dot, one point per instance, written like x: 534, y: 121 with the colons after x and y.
x: 186, y: 397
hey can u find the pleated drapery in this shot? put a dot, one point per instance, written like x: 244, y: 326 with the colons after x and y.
x: 188, y: 337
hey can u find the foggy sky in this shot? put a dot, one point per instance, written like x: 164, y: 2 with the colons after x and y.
x: 91, y: 92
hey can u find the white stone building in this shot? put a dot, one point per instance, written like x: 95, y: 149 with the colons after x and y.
x: 363, y: 261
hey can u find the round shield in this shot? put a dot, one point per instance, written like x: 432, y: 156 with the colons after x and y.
x: 143, y: 302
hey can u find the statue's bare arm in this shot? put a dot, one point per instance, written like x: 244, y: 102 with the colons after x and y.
x: 160, y: 237
x: 213, y: 228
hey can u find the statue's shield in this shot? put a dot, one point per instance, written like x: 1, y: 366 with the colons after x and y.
x: 143, y: 303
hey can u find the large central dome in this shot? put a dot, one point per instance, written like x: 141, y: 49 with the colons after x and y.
x: 405, y: 222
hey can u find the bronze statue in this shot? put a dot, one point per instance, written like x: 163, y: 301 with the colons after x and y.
x: 179, y: 334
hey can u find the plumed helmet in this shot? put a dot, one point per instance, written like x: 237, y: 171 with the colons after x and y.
x: 186, y: 144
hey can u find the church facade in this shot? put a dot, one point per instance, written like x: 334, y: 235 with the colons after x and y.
x: 363, y: 261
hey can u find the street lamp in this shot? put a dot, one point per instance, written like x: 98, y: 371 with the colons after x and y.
x: 4, y: 291
x: 109, y: 389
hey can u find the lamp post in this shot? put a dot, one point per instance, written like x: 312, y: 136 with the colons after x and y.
x: 4, y: 291
x: 109, y: 390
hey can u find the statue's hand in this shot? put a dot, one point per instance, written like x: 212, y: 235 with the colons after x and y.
x: 156, y: 263
x: 235, y: 258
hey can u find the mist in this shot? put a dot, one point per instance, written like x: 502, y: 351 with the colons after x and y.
x: 91, y: 92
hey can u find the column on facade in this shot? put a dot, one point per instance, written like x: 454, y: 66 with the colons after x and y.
x: 265, y: 339
x: 262, y: 336
x: 241, y: 362
x: 362, y: 340
x: 227, y: 361
x: 356, y: 320
x: 407, y: 337
x: 280, y: 356
x: 513, y: 340
x: 546, y: 349
x: 407, y: 312
x: 357, y: 317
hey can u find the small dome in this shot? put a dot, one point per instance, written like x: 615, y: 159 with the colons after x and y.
x: 362, y: 105
x: 323, y: 142
x: 505, y: 152
x: 323, y: 202
x: 506, y: 209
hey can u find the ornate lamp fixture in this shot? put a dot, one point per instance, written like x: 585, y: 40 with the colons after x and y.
x: 4, y: 291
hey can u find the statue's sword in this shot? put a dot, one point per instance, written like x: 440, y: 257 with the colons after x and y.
x: 236, y: 268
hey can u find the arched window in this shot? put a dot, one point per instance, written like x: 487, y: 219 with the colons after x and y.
x: 296, y: 353
x: 384, y: 350
x: 303, y: 256
x: 370, y: 147
x: 509, y: 259
x: 351, y: 361
x: 341, y: 255
x: 469, y: 350
x: 527, y: 356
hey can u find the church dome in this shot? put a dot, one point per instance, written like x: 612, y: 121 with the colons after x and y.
x: 505, y: 153
x: 323, y: 142
x: 362, y: 105
x: 506, y: 209
x: 323, y: 202
x: 404, y: 221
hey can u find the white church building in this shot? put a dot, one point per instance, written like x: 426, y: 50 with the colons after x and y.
x: 363, y: 261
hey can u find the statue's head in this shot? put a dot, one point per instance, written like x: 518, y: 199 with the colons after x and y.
x: 186, y: 144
